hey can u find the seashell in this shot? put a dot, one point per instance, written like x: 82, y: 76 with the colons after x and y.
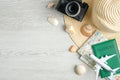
x: 53, y: 21
x: 73, y: 49
x: 80, y: 69
x: 51, y: 5
x: 70, y: 29
x: 87, y: 30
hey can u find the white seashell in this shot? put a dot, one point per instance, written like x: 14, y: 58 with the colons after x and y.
x: 80, y: 69
x: 53, y: 21
x: 70, y: 29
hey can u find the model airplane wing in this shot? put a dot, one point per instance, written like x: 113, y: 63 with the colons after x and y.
x: 111, y: 77
x: 97, y: 71
x: 104, y: 59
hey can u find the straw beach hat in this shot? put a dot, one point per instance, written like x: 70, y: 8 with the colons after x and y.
x: 106, y: 15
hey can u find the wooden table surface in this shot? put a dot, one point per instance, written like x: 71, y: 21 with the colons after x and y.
x: 31, y: 48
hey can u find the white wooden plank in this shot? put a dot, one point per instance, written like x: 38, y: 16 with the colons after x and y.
x: 31, y: 48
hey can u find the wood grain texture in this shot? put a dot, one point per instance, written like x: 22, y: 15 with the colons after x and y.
x: 31, y: 48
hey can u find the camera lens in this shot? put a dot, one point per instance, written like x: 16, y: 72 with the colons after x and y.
x: 72, y: 8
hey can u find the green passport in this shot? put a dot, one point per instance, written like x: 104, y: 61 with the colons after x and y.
x: 107, y: 48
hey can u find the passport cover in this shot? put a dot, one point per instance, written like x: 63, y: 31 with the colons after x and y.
x: 107, y: 48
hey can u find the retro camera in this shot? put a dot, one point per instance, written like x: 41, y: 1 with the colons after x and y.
x: 73, y: 8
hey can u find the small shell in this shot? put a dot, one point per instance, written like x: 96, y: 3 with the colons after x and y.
x: 87, y: 30
x: 70, y: 29
x: 80, y: 69
x: 73, y: 49
x: 53, y: 21
x: 51, y: 5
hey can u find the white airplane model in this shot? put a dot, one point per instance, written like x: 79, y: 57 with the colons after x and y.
x: 101, y: 63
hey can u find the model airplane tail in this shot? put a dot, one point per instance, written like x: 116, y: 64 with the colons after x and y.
x: 111, y: 77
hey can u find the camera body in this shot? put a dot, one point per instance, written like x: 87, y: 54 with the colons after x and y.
x: 73, y: 8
